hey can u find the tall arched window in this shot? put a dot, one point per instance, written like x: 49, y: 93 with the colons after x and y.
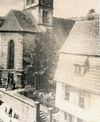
x: 11, y: 55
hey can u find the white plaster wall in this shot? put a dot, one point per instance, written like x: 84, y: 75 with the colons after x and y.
x: 72, y: 106
x: 59, y: 94
x: 24, y: 107
x: 95, y: 107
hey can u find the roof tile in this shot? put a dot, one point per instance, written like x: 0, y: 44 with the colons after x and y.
x: 83, y: 39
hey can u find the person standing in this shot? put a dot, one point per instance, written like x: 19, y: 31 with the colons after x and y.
x: 10, y: 112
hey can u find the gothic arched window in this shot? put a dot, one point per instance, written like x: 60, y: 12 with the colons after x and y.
x: 11, y: 55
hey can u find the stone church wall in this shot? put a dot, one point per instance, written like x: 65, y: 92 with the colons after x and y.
x: 24, y: 44
x: 17, y: 38
x: 18, y: 42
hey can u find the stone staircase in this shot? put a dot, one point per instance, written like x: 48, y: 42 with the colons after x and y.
x: 43, y: 117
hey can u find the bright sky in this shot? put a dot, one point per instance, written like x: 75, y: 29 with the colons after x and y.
x: 62, y: 8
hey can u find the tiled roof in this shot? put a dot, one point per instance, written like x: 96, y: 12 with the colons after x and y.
x: 61, y: 29
x: 19, y: 21
x: 83, y: 39
x: 26, y: 21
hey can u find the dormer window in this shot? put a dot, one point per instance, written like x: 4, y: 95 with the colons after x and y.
x: 78, y: 68
x: 81, y: 67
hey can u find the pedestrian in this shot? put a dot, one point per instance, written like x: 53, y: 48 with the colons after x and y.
x: 10, y: 112
x: 6, y: 84
x: 5, y: 109
x: 13, y: 86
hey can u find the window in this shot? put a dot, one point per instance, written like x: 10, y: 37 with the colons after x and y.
x: 67, y: 94
x: 82, y: 67
x: 28, y: 2
x: 78, y: 69
x: 45, y: 17
x: 70, y: 117
x: 65, y: 115
x: 32, y: 1
x: 81, y: 101
x: 79, y: 120
x: 54, y: 120
x: 11, y: 55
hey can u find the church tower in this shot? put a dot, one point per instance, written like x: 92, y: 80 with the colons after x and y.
x: 42, y: 10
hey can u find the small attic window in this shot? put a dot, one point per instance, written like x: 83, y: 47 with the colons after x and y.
x: 78, y: 69
x: 81, y: 67
x: 28, y: 2
x: 32, y: 1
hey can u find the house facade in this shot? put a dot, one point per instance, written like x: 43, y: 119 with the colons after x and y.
x: 78, y: 75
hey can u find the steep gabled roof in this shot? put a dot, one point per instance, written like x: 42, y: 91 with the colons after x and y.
x: 10, y: 23
x: 83, y: 39
x: 26, y: 21
x: 61, y: 29
x: 19, y: 21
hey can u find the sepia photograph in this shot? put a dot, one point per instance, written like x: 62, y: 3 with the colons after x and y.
x: 49, y: 61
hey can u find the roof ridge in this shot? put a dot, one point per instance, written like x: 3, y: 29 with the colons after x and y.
x: 89, y: 21
x: 63, y: 18
x: 15, y: 10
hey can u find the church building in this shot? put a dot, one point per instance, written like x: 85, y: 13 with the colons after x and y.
x: 18, y: 31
